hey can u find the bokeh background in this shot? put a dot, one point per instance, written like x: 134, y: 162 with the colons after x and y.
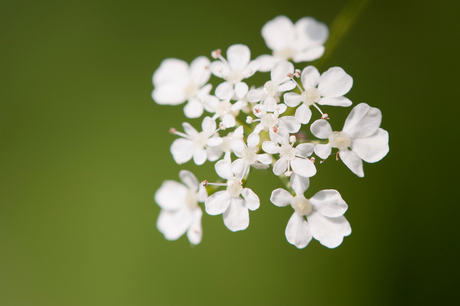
x: 83, y: 148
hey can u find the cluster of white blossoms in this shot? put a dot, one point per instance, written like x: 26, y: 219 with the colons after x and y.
x: 246, y: 128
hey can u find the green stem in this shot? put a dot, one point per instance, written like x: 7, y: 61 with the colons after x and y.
x: 340, y: 26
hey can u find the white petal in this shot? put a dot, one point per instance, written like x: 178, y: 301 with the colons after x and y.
x: 303, y: 167
x: 214, y: 141
x: 290, y: 123
x: 309, y: 54
x: 253, y: 140
x: 303, y: 114
x: 363, y: 121
x: 285, y: 86
x: 224, y: 169
x: 298, y: 231
x: 281, y: 197
x: 352, y: 161
x: 224, y: 91
x: 305, y: 149
x: 168, y: 94
x: 182, y: 150
x: 269, y: 104
x: 251, y: 200
x: 202, y: 194
x: 189, y: 129
x: 171, y: 195
x: 211, y: 103
x: 282, y: 108
x: 323, y: 150
x: 280, y: 71
x: 321, y: 129
x: 171, y: 70
x: 241, y: 89
x: 328, y: 231
x: 193, y: 109
x: 310, y: 77
x: 237, y: 146
x: 219, y: 69
x: 240, y: 168
x: 174, y: 224
x: 299, y: 183
x: 270, y: 147
x: 373, y: 148
x: 228, y: 121
x: 217, y: 203
x: 199, y: 156
x: 195, y: 232
x: 280, y: 166
x: 335, y: 82
x: 310, y: 31
x: 337, y: 101
x: 264, y: 158
x: 278, y: 33
x: 292, y: 99
x: 189, y: 179
x: 208, y: 125
x: 267, y: 62
x: 329, y: 203
x: 199, y: 70
x: 255, y: 95
x: 213, y: 153
x: 238, y: 56
x: 236, y: 217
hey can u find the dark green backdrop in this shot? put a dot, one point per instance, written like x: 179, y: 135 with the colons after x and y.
x: 83, y: 148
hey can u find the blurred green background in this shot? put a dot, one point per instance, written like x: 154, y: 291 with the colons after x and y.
x: 83, y: 148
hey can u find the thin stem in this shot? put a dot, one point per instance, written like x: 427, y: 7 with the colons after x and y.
x: 341, y: 25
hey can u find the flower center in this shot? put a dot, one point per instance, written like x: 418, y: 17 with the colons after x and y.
x: 249, y: 155
x: 310, y: 95
x: 234, y: 187
x: 223, y: 108
x: 269, y: 121
x: 271, y: 88
x: 192, y: 199
x: 301, y: 205
x: 285, y: 53
x: 288, y: 152
x: 234, y: 76
x: 340, y: 140
x: 200, y: 140
x: 191, y: 91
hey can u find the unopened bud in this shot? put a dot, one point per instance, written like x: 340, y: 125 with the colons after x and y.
x: 249, y: 119
x: 216, y: 53
x: 325, y: 116
x: 297, y: 73
x: 292, y: 139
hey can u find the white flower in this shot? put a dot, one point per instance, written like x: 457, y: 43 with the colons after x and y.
x: 223, y: 109
x: 324, y: 212
x: 226, y: 145
x: 248, y: 156
x: 200, y: 146
x: 300, y: 42
x: 229, y: 203
x: 175, y: 82
x: 291, y: 157
x: 361, y: 133
x: 327, y: 89
x: 236, y: 68
x: 180, y: 212
x: 278, y: 127
x: 279, y: 82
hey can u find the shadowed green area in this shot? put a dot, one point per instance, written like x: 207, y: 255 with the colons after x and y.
x: 83, y: 148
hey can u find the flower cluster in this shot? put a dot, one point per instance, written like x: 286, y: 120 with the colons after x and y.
x: 261, y: 127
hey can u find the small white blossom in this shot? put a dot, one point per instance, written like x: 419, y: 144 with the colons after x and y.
x: 180, y: 212
x: 223, y: 109
x: 327, y: 89
x: 237, y: 67
x: 229, y: 202
x: 278, y: 127
x: 324, y: 212
x: 248, y: 156
x: 199, y: 145
x: 279, y: 83
x: 360, y: 139
x: 175, y: 82
x: 300, y: 42
x: 291, y: 157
